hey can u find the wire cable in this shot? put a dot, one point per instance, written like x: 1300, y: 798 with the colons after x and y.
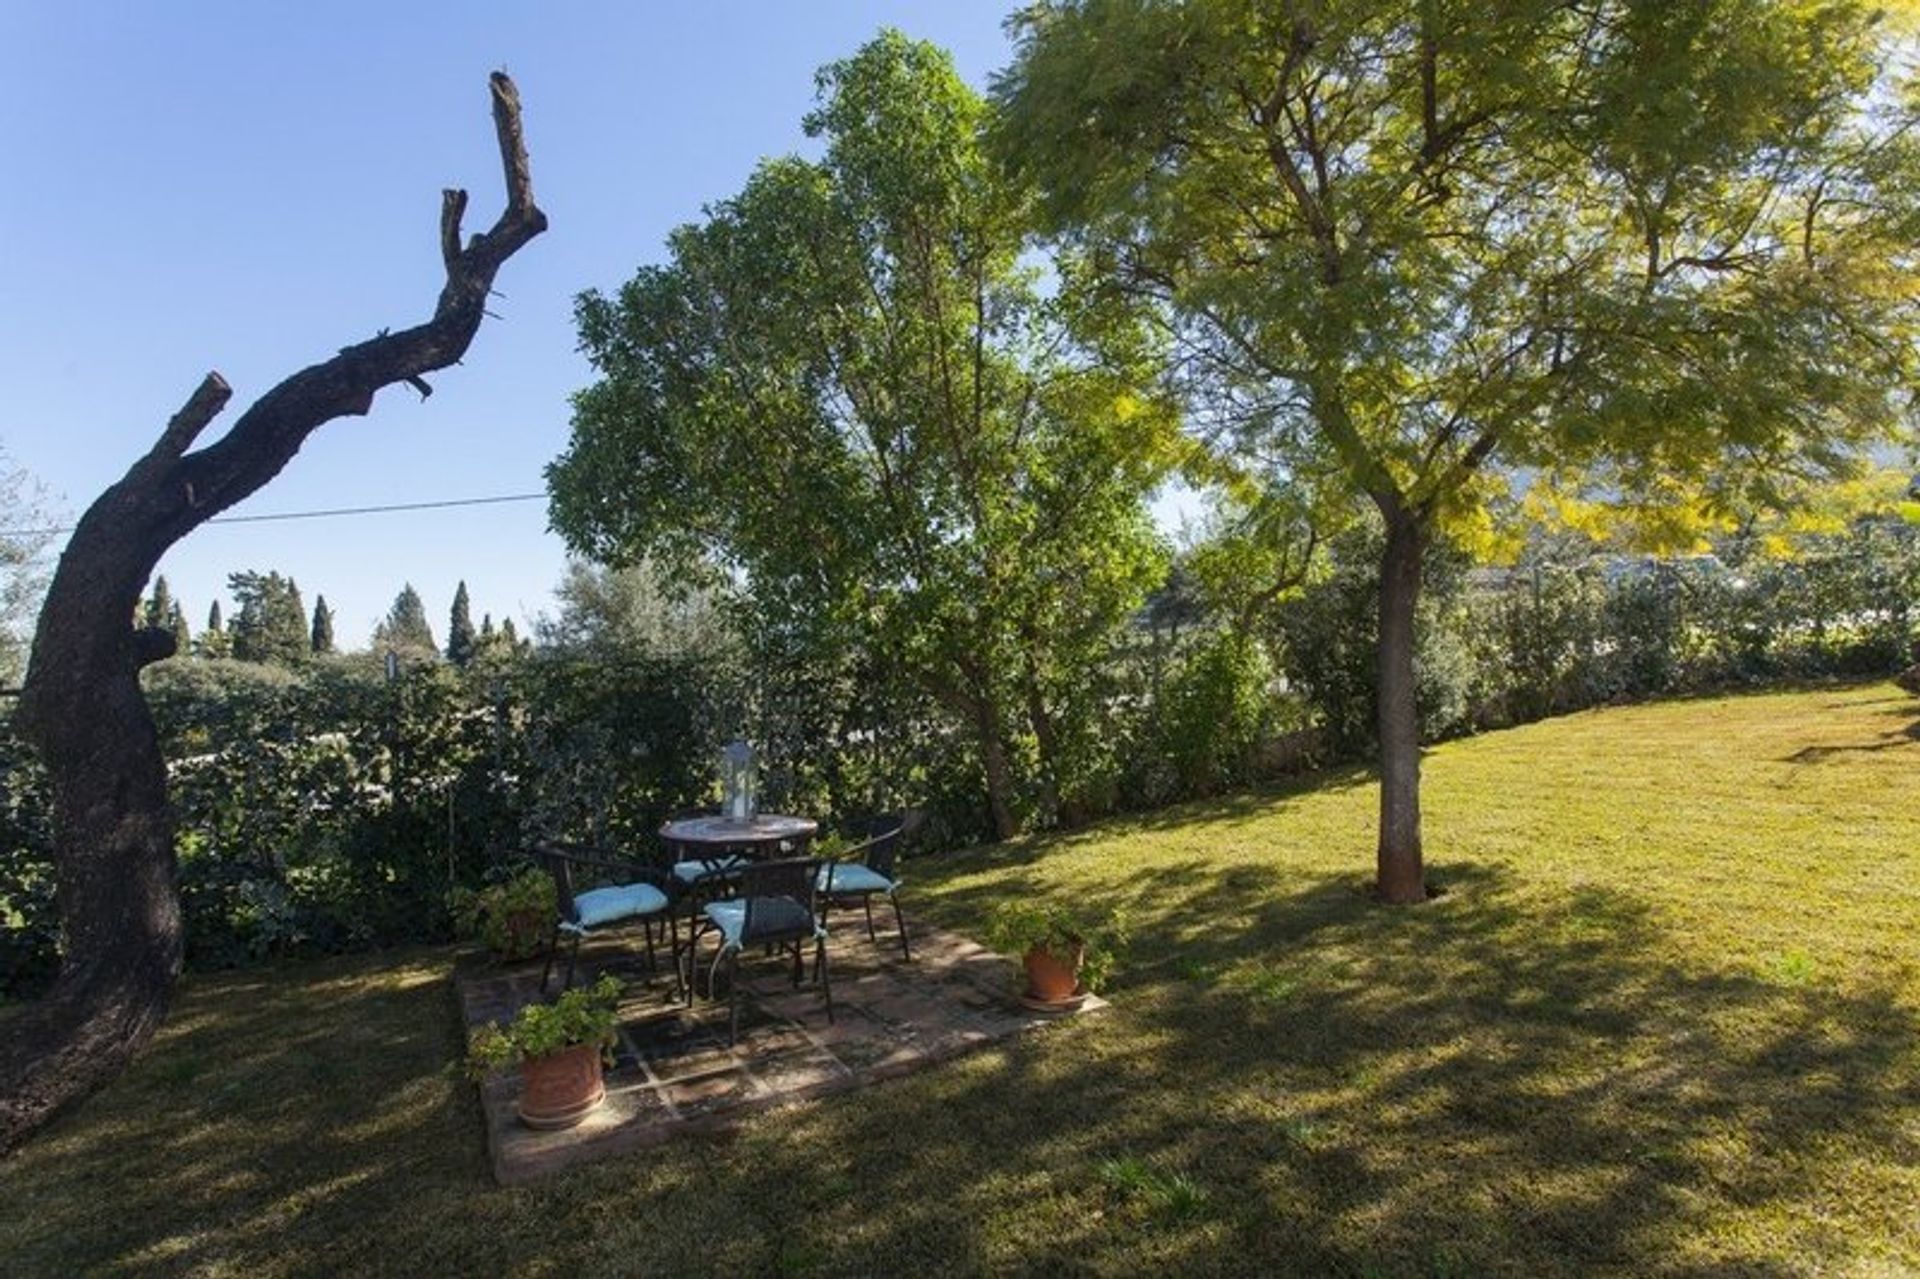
x: 328, y: 513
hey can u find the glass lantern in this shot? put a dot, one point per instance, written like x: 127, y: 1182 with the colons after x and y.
x: 739, y: 787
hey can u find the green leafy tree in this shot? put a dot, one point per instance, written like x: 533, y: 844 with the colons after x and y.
x: 271, y: 622
x: 631, y: 610
x: 460, y: 635
x: 405, y: 629
x: 852, y: 384
x: 320, y: 636
x: 1408, y: 249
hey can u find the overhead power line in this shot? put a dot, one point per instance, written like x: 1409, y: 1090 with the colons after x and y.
x: 321, y: 514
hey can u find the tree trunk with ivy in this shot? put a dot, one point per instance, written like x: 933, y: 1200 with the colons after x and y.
x: 82, y: 708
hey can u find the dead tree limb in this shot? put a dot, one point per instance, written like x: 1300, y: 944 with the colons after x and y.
x: 81, y: 704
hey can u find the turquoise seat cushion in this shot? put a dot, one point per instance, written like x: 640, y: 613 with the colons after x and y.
x: 852, y: 877
x: 689, y: 872
x: 782, y: 915
x: 624, y: 901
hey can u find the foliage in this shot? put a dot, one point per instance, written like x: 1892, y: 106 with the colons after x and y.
x: 461, y: 639
x: 1024, y: 923
x: 271, y: 622
x: 512, y: 915
x: 320, y: 637
x: 849, y: 386
x: 1214, y: 712
x: 405, y: 629
x: 28, y: 519
x: 585, y: 1015
x: 29, y: 911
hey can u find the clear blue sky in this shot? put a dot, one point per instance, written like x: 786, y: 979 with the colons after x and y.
x: 247, y: 187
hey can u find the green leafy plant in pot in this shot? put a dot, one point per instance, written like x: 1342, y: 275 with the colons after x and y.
x: 561, y: 1049
x: 1066, y: 953
x: 513, y: 917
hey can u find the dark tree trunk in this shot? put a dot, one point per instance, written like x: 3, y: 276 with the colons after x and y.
x: 999, y: 772
x: 1401, y: 874
x: 82, y: 707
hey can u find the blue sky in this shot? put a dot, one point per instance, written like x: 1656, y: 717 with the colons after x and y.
x: 248, y: 187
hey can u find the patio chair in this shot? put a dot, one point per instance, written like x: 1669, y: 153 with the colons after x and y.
x: 774, y: 905
x: 590, y: 905
x: 866, y: 871
x: 700, y: 864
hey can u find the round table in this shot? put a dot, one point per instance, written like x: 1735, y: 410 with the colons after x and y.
x: 754, y: 835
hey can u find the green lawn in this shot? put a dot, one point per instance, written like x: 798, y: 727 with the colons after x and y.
x: 1666, y: 1019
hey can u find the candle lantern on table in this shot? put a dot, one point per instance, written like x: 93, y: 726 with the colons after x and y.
x: 738, y: 784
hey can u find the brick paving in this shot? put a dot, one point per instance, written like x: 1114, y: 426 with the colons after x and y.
x: 674, y: 1074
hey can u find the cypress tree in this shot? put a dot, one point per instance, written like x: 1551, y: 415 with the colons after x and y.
x: 177, y: 623
x: 160, y: 605
x: 322, y: 638
x: 460, y: 638
x: 215, y: 642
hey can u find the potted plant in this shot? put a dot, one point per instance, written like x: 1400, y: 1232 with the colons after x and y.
x: 1066, y: 953
x: 560, y: 1048
x: 513, y: 916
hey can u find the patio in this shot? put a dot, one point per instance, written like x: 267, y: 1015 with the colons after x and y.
x: 673, y: 1073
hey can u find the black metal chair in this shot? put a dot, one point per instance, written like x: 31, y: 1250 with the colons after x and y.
x: 589, y: 904
x: 774, y: 905
x: 867, y: 870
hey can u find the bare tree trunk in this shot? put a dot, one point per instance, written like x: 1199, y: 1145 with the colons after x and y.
x: 82, y: 707
x: 1401, y: 874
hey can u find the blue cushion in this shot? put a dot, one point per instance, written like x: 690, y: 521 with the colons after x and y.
x: 692, y: 871
x: 730, y: 917
x: 853, y: 877
x: 625, y: 901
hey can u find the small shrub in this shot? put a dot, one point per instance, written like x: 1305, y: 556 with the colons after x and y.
x: 583, y: 1016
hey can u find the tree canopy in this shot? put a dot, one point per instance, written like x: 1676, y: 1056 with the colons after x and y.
x: 1432, y: 256
x: 854, y: 386
x: 270, y: 623
x: 405, y: 628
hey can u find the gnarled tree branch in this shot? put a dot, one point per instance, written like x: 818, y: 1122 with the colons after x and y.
x: 81, y: 704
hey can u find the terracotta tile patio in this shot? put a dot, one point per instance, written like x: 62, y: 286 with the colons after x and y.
x: 675, y: 1075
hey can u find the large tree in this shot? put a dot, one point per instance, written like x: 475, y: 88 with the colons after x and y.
x: 1412, y: 249
x: 82, y: 707
x: 270, y: 621
x: 405, y: 628
x: 852, y: 385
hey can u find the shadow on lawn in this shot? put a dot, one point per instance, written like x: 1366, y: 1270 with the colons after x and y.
x: 1502, y: 1080
x: 1474, y: 1085
x: 276, y: 1119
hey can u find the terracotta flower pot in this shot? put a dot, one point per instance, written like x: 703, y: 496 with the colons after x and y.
x: 561, y: 1088
x: 1051, y: 978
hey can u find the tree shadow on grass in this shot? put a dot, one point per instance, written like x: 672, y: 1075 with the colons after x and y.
x: 1507, y: 1080
x: 1488, y: 1083
x: 1892, y: 740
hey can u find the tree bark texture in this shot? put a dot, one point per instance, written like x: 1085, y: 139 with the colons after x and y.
x: 1401, y: 875
x: 82, y: 707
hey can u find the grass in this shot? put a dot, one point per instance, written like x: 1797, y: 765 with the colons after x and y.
x: 1665, y: 1020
